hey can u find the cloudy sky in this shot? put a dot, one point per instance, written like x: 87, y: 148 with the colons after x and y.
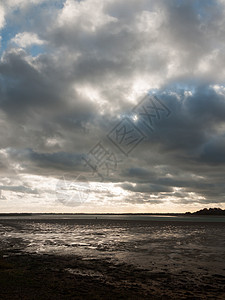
x: 112, y: 105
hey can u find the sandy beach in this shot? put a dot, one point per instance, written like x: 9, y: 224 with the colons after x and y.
x: 111, y: 259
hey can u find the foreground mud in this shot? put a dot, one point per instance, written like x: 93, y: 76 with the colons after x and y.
x: 32, y: 276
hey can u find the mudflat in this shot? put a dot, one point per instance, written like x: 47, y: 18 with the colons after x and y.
x: 111, y: 259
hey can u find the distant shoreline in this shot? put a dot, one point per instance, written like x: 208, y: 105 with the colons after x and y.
x: 203, y: 212
x: 90, y: 214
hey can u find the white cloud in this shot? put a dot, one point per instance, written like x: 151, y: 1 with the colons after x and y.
x: 2, y: 16
x: 89, y: 15
x: 26, y: 39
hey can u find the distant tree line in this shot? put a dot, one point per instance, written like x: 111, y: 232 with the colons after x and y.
x: 208, y: 211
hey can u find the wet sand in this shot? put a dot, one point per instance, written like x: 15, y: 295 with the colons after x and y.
x: 150, y: 260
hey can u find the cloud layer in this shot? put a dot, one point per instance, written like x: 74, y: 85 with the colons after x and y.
x: 71, y: 70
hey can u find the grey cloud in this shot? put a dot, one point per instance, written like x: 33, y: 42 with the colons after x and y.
x: 19, y: 189
x: 50, y: 162
x: 214, y: 151
x: 147, y: 188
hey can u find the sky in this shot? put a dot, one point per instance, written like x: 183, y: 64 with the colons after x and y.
x: 112, y: 106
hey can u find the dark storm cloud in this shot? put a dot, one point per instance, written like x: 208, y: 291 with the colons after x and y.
x: 24, y: 87
x: 48, y: 162
x: 137, y: 173
x: 213, y: 151
x: 189, y: 146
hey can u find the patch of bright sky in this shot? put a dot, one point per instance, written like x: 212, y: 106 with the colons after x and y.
x: 12, y: 28
x: 7, y: 33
